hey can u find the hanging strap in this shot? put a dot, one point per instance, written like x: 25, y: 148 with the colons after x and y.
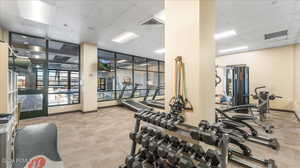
x: 180, y: 89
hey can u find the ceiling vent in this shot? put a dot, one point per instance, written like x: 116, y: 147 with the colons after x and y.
x: 277, y: 35
x: 61, y: 59
x: 152, y: 21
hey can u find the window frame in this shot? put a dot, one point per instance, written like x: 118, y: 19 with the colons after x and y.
x: 46, y: 75
x: 133, y: 70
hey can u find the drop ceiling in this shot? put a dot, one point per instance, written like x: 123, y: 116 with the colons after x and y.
x: 99, y: 21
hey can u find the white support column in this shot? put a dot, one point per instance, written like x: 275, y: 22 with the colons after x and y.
x: 88, y: 59
x: 189, y: 32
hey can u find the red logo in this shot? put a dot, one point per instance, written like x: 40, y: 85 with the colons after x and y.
x: 39, y: 162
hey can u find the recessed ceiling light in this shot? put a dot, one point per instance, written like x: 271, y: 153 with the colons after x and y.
x: 233, y: 49
x: 36, y: 56
x: 125, y: 37
x: 37, y: 11
x: 121, y: 61
x: 160, y: 51
x: 161, y: 16
x: 24, y: 37
x: 225, y: 34
x: 36, y: 48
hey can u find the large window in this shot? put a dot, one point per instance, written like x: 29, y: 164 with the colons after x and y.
x: 153, y: 77
x: 140, y: 76
x: 47, y: 65
x: 63, y: 73
x: 117, y: 71
x: 29, y: 63
x: 106, y: 75
x: 124, y: 78
x: 161, y: 78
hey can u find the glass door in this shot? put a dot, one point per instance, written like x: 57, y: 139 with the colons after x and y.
x: 31, y: 65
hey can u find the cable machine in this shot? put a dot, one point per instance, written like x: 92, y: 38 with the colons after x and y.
x: 237, y: 84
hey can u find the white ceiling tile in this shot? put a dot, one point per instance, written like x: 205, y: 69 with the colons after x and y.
x: 99, y: 21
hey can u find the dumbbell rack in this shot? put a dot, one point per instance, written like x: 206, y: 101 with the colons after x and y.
x: 175, y: 128
x: 245, y: 158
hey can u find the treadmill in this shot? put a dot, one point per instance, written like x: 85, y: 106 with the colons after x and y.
x: 128, y: 102
x: 153, y: 102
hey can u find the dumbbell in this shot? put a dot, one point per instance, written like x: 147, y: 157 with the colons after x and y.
x: 154, y: 143
x: 185, y: 162
x: 172, y: 123
x: 137, y: 137
x: 157, y: 119
x: 174, y: 149
x: 206, y: 134
x: 204, y: 125
x: 197, y: 152
x: 153, y: 117
x: 164, y: 121
x: 131, y: 159
x: 148, y: 157
x: 146, y: 116
x: 212, y: 158
x: 146, y: 137
x: 140, y: 114
x: 162, y: 147
x: 161, y: 163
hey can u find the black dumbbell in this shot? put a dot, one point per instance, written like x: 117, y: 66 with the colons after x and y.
x: 146, y: 137
x: 137, y: 136
x: 144, y: 115
x: 162, y: 147
x: 157, y: 119
x: 153, y: 117
x: 212, y: 158
x: 165, y: 120
x: 138, y: 115
x: 197, y: 152
x: 156, y: 141
x: 204, y: 125
x: 185, y: 162
x: 174, y: 148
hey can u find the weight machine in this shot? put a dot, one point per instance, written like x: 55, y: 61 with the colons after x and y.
x: 236, y: 84
x: 263, y: 97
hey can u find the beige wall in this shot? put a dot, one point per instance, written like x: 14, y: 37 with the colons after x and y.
x: 189, y: 33
x: 271, y: 67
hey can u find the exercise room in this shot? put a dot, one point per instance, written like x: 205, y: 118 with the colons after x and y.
x: 149, y: 83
